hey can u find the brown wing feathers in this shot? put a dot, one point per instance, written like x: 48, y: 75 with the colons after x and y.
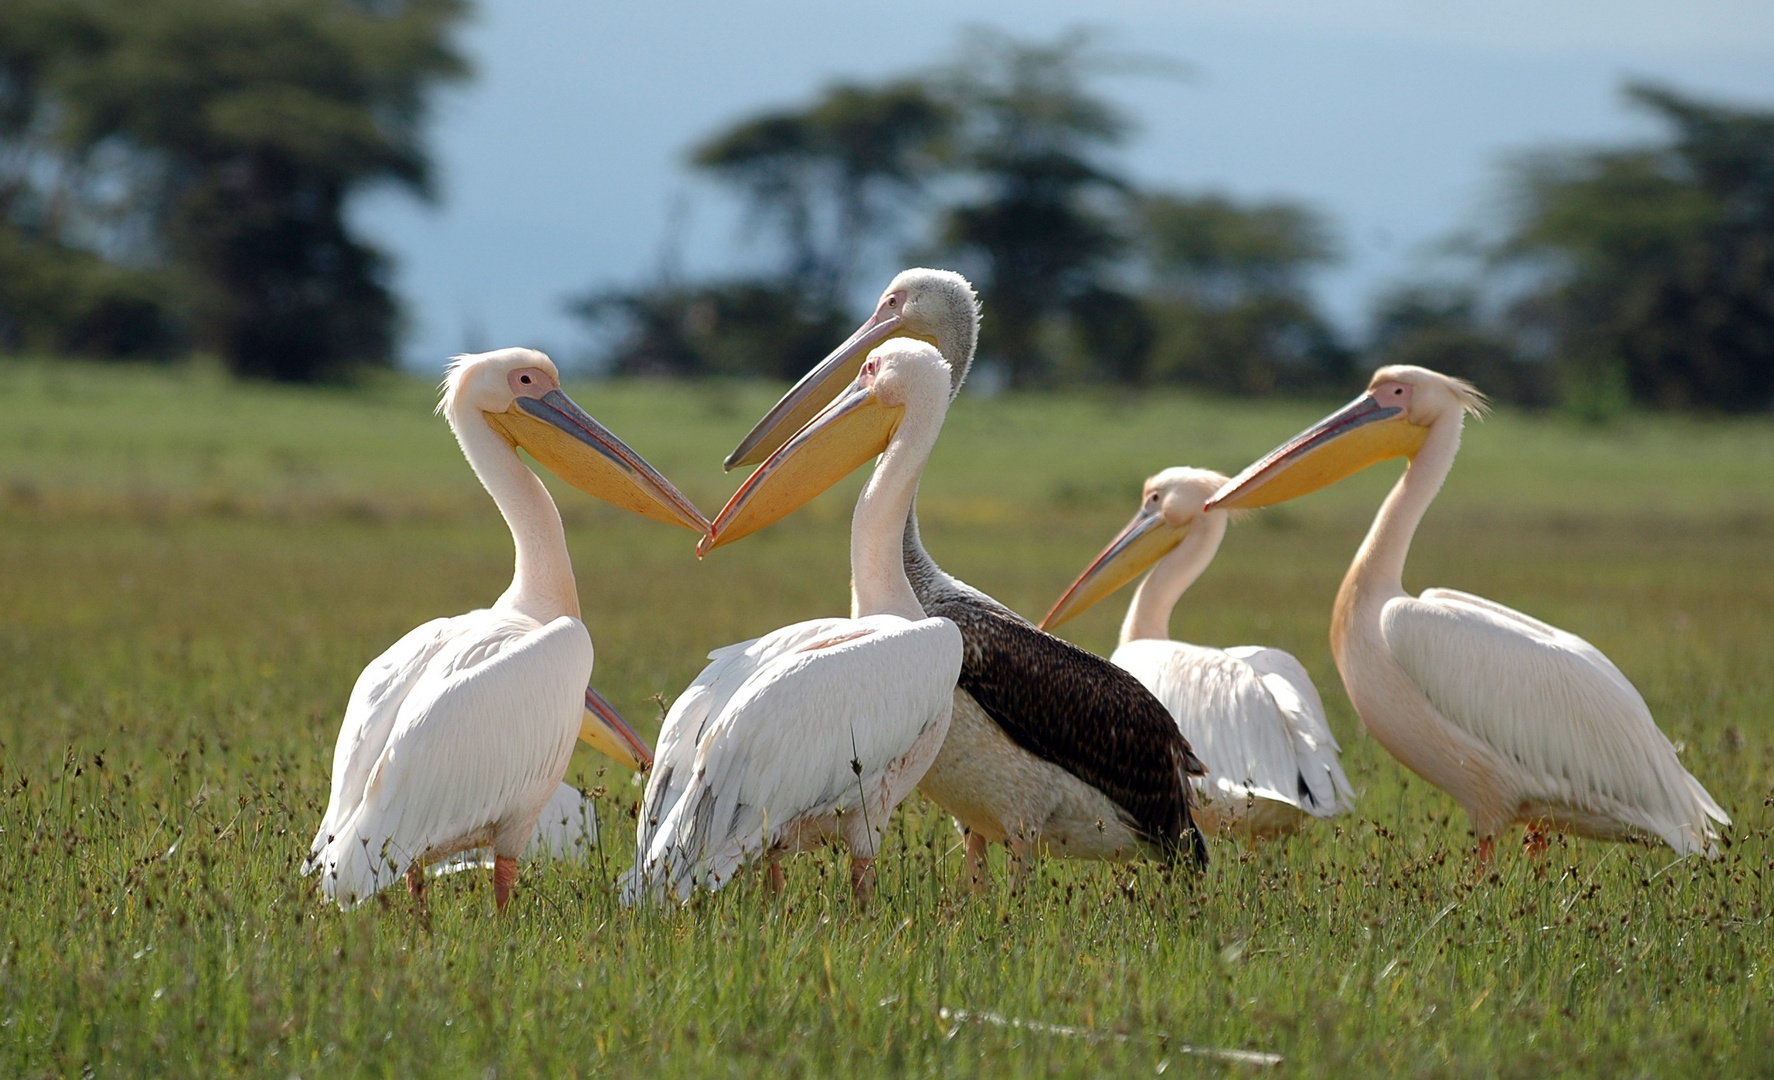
x: 1073, y: 708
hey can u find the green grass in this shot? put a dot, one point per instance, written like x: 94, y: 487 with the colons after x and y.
x: 192, y: 573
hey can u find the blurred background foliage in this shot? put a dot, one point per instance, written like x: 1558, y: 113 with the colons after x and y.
x: 174, y: 176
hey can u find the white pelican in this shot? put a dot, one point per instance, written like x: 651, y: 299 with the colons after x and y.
x: 1051, y: 747
x: 816, y: 731
x: 458, y: 735
x: 1517, y: 720
x: 1251, y: 713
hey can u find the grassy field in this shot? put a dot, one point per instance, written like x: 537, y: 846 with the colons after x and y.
x: 192, y: 574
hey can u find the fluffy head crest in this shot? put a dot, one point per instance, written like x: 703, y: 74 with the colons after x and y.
x: 466, y: 370
x: 452, y: 381
x: 1471, y: 400
x: 943, y: 305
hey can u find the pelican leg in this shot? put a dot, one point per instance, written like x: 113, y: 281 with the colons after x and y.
x: 1535, y: 841
x: 1022, y: 860
x: 504, y: 876
x: 978, y: 868
x: 416, y: 882
x: 778, y: 880
x: 1487, y: 846
x: 862, y: 878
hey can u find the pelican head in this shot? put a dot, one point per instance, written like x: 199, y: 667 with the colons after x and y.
x: 1171, y: 505
x: 518, y: 393
x: 854, y: 428
x: 934, y: 306
x: 1392, y: 418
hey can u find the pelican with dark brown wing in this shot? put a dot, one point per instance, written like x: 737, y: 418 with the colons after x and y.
x: 1051, y: 748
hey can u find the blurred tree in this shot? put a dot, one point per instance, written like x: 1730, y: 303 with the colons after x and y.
x: 832, y: 176
x: 1655, y: 266
x: 1014, y: 142
x: 1228, y: 296
x: 1041, y: 234
x: 1442, y: 327
x: 758, y: 327
x: 54, y: 297
x: 1113, y: 334
x: 229, y: 135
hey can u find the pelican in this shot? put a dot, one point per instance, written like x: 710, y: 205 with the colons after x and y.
x: 458, y: 735
x: 1050, y: 747
x: 1517, y: 720
x: 817, y: 731
x: 1251, y: 713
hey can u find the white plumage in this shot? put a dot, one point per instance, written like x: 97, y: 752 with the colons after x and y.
x: 566, y: 831
x: 567, y: 828
x: 1519, y: 721
x: 680, y: 736
x: 1253, y: 717
x: 757, y: 754
x: 1250, y: 713
x: 814, y: 732
x: 1585, y: 753
x: 457, y: 737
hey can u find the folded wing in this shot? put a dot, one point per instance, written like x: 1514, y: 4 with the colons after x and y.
x: 1550, y: 703
x: 479, y: 740
x: 807, y: 728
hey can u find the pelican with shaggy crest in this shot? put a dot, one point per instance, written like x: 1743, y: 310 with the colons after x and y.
x: 1050, y: 747
x: 817, y: 731
x: 1517, y: 720
x: 457, y: 737
x: 1250, y: 713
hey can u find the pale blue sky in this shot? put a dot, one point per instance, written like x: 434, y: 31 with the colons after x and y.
x: 559, y: 164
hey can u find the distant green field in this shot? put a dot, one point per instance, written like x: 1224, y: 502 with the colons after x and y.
x: 193, y: 572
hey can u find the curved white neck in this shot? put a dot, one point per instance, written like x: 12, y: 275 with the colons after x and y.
x: 1378, y: 569
x: 878, y: 582
x: 542, y: 585
x: 1148, y: 616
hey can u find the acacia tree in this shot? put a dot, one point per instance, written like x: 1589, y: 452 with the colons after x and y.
x: 832, y: 177
x: 57, y: 296
x: 239, y: 130
x: 832, y: 180
x: 1226, y: 286
x: 1656, y: 264
x: 1444, y: 325
x: 1041, y: 232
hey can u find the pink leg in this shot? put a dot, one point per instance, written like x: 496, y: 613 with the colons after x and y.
x: 504, y: 876
x: 1022, y: 861
x: 416, y: 882
x: 978, y: 870
x: 862, y: 879
x: 1487, y: 846
x: 778, y: 880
